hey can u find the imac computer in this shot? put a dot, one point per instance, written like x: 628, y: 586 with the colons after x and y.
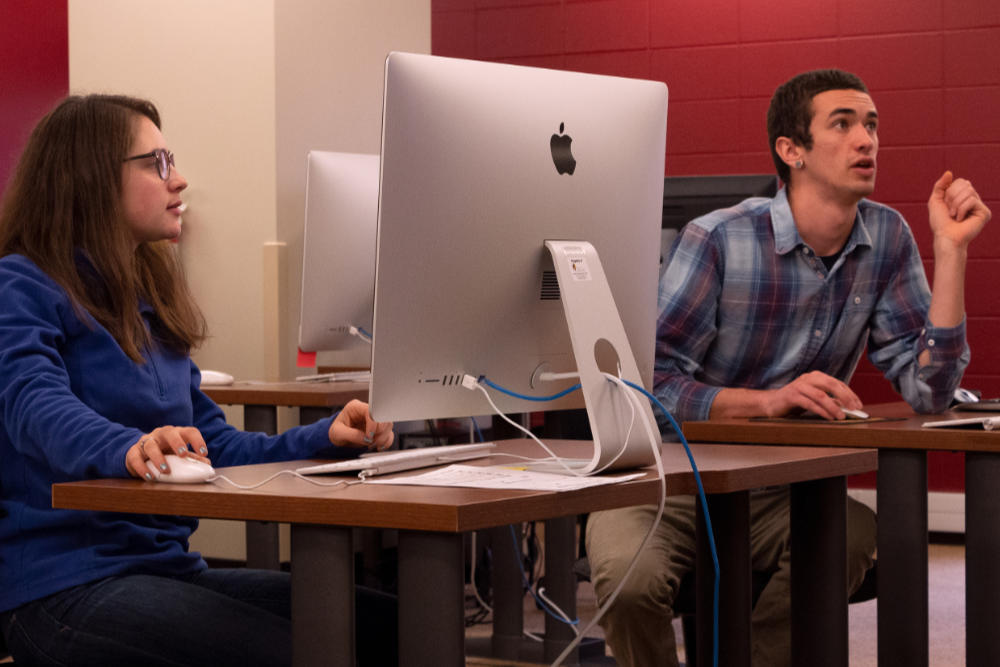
x: 518, y: 235
x: 688, y: 197
x: 338, y: 250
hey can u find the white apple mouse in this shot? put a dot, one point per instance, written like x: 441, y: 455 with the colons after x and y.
x: 856, y: 414
x: 215, y: 378
x: 183, y: 471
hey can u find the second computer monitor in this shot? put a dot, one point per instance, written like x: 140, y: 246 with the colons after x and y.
x: 338, y: 250
x: 482, y: 164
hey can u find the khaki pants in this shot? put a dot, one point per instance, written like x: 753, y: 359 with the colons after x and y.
x: 637, y: 626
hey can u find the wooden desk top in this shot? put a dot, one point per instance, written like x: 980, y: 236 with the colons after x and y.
x: 904, y: 432
x: 724, y: 468
x: 295, y: 394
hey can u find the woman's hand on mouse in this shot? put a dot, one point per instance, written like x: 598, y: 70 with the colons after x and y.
x: 354, y: 427
x: 151, y: 448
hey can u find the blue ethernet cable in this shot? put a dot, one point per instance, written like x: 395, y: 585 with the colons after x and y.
x: 538, y: 399
x: 708, y: 521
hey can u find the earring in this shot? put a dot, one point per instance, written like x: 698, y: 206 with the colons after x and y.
x: 798, y: 164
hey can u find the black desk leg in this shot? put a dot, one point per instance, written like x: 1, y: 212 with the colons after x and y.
x: 311, y: 415
x: 730, y: 514
x: 982, y: 554
x: 819, y: 572
x: 368, y: 539
x: 902, y: 558
x: 260, y: 419
x: 560, y: 586
x: 322, y: 596
x: 263, y: 545
x: 263, y: 550
x: 508, y: 593
x: 431, y: 599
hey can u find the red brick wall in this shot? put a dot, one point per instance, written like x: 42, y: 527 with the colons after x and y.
x: 933, y: 67
x: 34, y: 70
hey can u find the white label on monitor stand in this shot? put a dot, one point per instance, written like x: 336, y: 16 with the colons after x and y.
x: 578, y: 268
x: 577, y: 260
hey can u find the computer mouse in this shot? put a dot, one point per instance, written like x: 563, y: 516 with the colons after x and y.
x: 183, y: 471
x: 963, y: 395
x: 215, y: 378
x: 856, y: 414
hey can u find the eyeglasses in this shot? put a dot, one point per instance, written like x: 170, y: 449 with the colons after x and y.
x: 164, y: 161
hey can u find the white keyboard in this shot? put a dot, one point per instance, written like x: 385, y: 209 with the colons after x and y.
x: 380, y: 463
x: 987, y: 423
x: 339, y: 376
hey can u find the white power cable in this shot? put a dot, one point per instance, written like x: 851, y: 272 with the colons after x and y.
x: 566, y: 619
x: 360, y: 333
x: 248, y: 487
x: 553, y: 457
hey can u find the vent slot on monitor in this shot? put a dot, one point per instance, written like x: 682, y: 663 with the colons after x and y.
x: 550, y: 286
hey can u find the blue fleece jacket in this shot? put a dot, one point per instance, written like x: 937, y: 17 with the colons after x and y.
x: 71, y: 404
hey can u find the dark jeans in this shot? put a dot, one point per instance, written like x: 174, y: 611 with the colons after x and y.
x: 215, y: 618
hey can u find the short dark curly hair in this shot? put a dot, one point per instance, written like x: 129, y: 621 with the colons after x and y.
x: 790, y: 112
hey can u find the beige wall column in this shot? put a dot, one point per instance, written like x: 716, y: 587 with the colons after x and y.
x: 246, y: 88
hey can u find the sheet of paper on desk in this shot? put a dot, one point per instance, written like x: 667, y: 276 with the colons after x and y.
x: 503, y: 478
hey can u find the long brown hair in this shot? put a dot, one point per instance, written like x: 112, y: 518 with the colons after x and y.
x: 64, y: 201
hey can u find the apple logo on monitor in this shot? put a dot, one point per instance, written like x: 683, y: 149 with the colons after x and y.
x: 562, y: 154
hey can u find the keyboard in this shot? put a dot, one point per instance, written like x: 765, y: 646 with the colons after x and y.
x: 380, y: 463
x: 982, y: 405
x: 339, y: 376
x: 986, y: 423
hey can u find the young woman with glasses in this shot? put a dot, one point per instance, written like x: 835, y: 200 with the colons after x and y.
x: 96, y: 329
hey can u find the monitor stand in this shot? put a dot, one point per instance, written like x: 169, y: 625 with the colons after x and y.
x: 600, y: 345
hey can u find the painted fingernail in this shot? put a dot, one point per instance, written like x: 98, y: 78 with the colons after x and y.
x: 367, y: 439
x: 163, y: 466
x: 203, y: 450
x: 148, y: 477
x: 182, y: 452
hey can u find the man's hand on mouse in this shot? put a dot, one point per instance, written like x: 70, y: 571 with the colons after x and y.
x: 815, y: 392
x: 151, y: 448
